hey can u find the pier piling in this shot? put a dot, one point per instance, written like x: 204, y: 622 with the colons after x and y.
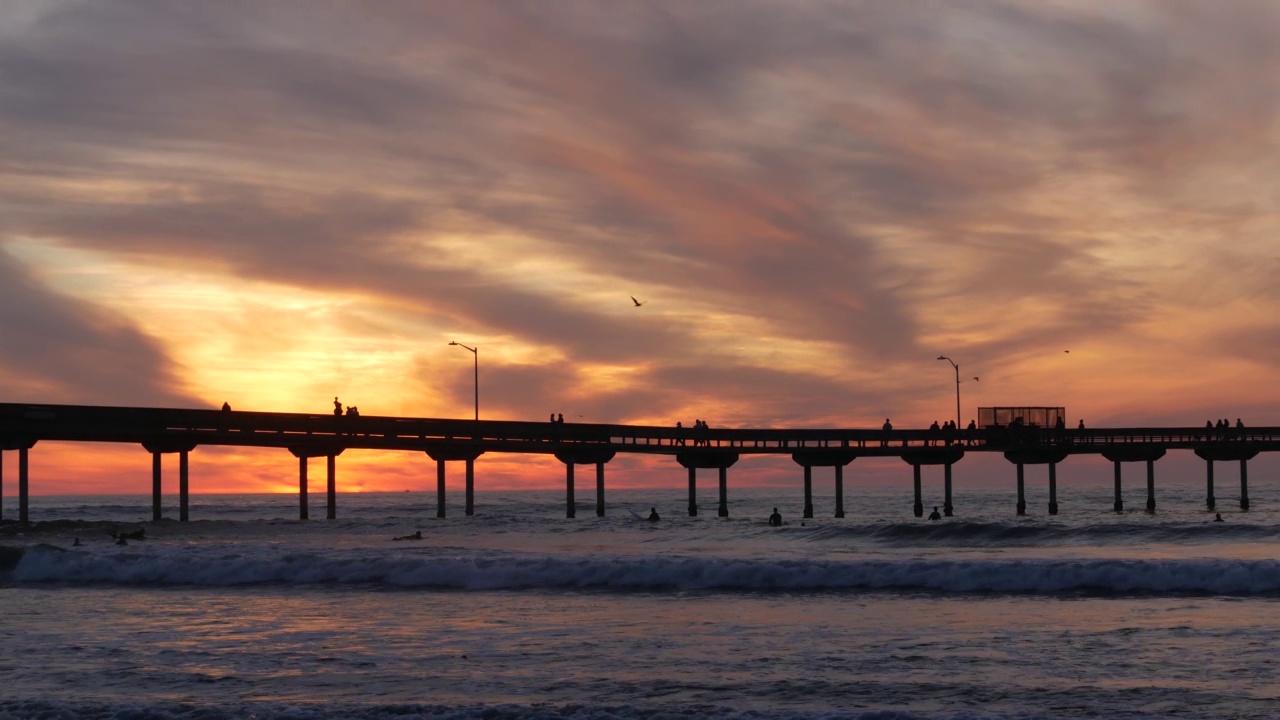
x: 331, y: 486
x: 440, y: 489
x: 1151, y: 486
x: 839, y: 491
x: 1209, y: 500
x: 1053, y: 488
x: 570, y: 504
x: 693, y: 492
x: 155, y: 485
x: 1119, y: 503
x: 24, y: 489
x: 599, y: 489
x: 723, y: 510
x: 1244, y: 484
x: 946, y: 489
x: 302, y: 487
x: 918, y: 506
x: 1, y: 483
x: 471, y: 487
x: 1022, y: 490
x: 808, y: 491
x: 184, y: 486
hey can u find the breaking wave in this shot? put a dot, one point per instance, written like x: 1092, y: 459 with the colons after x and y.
x: 515, y: 571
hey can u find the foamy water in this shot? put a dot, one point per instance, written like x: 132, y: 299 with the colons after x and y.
x: 521, y: 613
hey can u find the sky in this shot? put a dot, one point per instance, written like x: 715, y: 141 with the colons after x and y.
x: 275, y: 203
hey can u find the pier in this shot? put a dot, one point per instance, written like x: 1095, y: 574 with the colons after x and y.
x: 163, y: 431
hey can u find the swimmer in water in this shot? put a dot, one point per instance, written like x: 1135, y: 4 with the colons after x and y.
x: 775, y: 520
x: 76, y: 543
x: 935, y: 515
x: 653, y: 515
x: 121, y: 541
x: 416, y: 536
x: 1217, y: 517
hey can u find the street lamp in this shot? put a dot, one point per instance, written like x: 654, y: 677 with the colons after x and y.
x: 957, y: 369
x: 476, y: 353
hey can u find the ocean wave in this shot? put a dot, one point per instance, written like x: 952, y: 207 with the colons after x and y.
x: 503, y: 571
x: 1026, y: 534
x: 13, y: 710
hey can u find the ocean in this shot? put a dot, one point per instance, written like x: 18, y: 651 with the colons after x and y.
x: 518, y: 612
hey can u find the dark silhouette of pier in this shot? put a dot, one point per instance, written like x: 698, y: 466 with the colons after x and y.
x: 162, y: 431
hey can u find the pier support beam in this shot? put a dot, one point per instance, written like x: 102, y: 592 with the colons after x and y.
x: 839, y: 491
x: 809, y: 459
x: 303, y: 513
x: 1244, y: 484
x: 184, y: 486
x: 1148, y: 453
x: 1037, y: 456
x: 157, y: 448
x: 1022, y: 490
x: 946, y: 489
x: 808, y: 491
x: 1209, y: 500
x: 723, y: 510
x: 1119, y: 503
x: 706, y: 458
x: 599, y: 489
x: 444, y: 454
x: 918, y: 506
x: 1, y: 484
x: 1227, y: 451
x: 1053, y: 488
x: 331, y: 486
x: 583, y: 456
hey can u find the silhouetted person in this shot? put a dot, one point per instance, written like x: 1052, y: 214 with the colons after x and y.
x: 1080, y: 425
x: 679, y: 433
x: 935, y: 515
x: 355, y: 411
x: 560, y: 419
x: 416, y: 536
x: 1239, y: 424
x: 121, y: 541
x: 1217, y: 517
x: 1061, y: 424
x: 886, y: 427
x: 775, y: 520
x: 552, y: 419
x: 337, y: 406
x: 226, y: 407
x: 653, y: 515
x: 76, y: 543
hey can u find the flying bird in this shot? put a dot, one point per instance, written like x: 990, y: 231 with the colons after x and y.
x: 637, y: 302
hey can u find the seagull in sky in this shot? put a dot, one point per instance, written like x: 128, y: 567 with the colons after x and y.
x: 637, y: 302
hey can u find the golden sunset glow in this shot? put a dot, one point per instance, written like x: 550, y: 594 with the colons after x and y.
x: 812, y: 202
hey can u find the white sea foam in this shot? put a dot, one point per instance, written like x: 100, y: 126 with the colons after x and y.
x: 516, y: 571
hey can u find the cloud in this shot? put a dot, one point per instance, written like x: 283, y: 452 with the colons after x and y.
x: 57, y: 349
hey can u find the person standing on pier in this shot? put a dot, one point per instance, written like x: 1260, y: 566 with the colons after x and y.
x: 886, y: 428
x: 337, y: 406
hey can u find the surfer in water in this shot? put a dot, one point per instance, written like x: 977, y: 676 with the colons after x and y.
x: 653, y: 515
x: 1217, y: 517
x: 415, y: 536
x: 935, y: 515
x: 775, y: 520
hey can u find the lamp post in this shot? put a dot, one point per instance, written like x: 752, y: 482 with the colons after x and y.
x: 957, y: 369
x: 476, y: 354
